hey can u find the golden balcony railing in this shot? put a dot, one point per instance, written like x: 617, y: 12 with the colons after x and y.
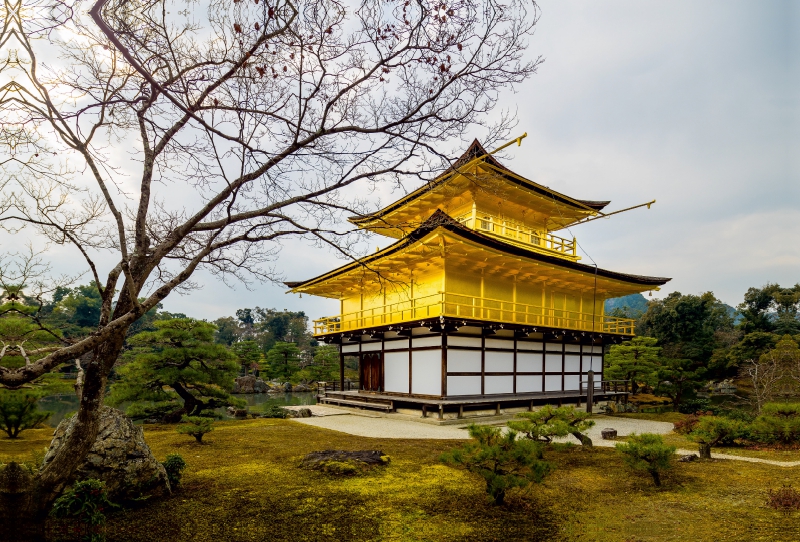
x: 529, y: 238
x: 472, y: 308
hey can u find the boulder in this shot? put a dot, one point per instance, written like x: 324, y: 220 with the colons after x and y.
x: 608, y: 433
x: 688, y: 458
x: 260, y: 386
x: 120, y: 457
x: 301, y: 388
x: 287, y: 387
x: 302, y: 413
x: 244, y: 384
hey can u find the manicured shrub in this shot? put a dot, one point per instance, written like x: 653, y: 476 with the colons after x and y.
x: 785, y: 499
x: 691, y: 406
x: 778, y: 423
x: 551, y: 422
x: 713, y: 430
x: 196, y: 426
x: 86, y: 502
x: 174, y: 465
x: 687, y: 425
x: 503, y: 460
x: 647, y: 452
x: 274, y: 411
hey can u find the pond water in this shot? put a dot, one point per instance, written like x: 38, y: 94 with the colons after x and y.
x: 62, y: 405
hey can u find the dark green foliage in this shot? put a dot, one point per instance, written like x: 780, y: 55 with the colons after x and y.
x: 696, y: 404
x: 178, y: 367
x: 635, y: 360
x: 227, y: 331
x: 686, y: 325
x: 771, y: 309
x: 249, y: 354
x: 551, y: 422
x: 282, y: 360
x: 274, y: 411
x: 629, y: 306
x: 679, y: 379
x: 196, y: 426
x: 778, y: 423
x: 647, y: 452
x: 503, y: 460
x: 19, y: 410
x: 174, y: 465
x: 713, y: 430
x: 87, y: 502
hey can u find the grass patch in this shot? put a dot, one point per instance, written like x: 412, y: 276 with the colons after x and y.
x: 246, y: 484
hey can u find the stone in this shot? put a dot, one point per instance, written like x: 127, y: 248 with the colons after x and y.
x: 244, y: 384
x: 303, y: 413
x: 608, y: 433
x: 119, y: 456
x: 240, y: 412
x: 342, y: 462
x: 287, y: 387
x: 301, y: 388
x: 688, y: 458
x: 260, y: 386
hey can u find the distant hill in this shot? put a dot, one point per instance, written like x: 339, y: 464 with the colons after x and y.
x: 636, y: 304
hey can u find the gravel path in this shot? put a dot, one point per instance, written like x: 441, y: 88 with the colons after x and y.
x: 375, y: 426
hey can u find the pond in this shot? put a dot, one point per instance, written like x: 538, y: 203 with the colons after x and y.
x: 62, y: 405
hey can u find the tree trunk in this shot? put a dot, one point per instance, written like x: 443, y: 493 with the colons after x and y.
x: 705, y: 450
x: 585, y: 440
x: 24, y: 507
x: 191, y: 404
x: 656, y: 477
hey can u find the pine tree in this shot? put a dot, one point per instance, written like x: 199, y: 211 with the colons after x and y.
x: 635, y: 360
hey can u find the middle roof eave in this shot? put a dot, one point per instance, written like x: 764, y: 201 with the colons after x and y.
x: 440, y: 219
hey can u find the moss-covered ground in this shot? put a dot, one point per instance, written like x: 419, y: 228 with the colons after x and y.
x: 246, y: 485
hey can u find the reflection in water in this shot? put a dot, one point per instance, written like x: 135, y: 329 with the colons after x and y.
x: 62, y: 405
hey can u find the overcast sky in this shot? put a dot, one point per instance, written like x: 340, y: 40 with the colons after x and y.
x: 694, y: 104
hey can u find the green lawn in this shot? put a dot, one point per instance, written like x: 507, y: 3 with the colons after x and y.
x: 245, y: 485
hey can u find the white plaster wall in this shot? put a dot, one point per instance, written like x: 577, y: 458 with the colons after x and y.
x: 463, y: 385
x: 552, y: 382
x: 529, y: 383
x: 499, y: 362
x: 554, y: 347
x: 529, y: 345
x: 416, y: 342
x: 395, y: 371
x: 597, y: 364
x: 499, y: 343
x: 463, y: 361
x: 571, y: 382
x: 348, y: 348
x: 529, y: 363
x: 572, y: 348
x: 453, y: 340
x: 394, y: 345
x: 552, y: 363
x: 371, y: 347
x: 426, y: 372
x: 572, y: 364
x: 498, y: 384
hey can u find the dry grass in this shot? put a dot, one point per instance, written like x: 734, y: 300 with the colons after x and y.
x: 245, y: 485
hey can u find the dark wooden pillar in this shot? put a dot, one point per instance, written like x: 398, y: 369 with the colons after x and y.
x: 590, y: 392
x: 341, y: 369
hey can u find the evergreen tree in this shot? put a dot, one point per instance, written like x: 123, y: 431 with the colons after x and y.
x: 249, y: 354
x: 180, y: 368
x: 679, y: 379
x: 636, y: 360
x: 282, y: 360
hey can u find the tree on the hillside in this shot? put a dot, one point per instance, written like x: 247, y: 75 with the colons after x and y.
x: 326, y: 364
x: 775, y: 374
x: 179, y: 369
x: 771, y: 309
x: 283, y: 360
x: 235, y: 127
x: 686, y: 325
x: 635, y: 360
x: 679, y: 379
x: 227, y: 331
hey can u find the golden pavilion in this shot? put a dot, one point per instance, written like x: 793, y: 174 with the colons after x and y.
x: 479, y: 302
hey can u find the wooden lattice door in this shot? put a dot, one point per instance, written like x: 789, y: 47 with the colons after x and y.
x: 371, y: 372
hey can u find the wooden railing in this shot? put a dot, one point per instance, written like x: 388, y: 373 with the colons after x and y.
x: 477, y: 308
x: 323, y: 387
x: 606, y: 386
x: 529, y: 238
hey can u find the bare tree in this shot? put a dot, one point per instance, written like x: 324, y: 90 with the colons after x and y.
x: 766, y: 375
x: 165, y: 136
